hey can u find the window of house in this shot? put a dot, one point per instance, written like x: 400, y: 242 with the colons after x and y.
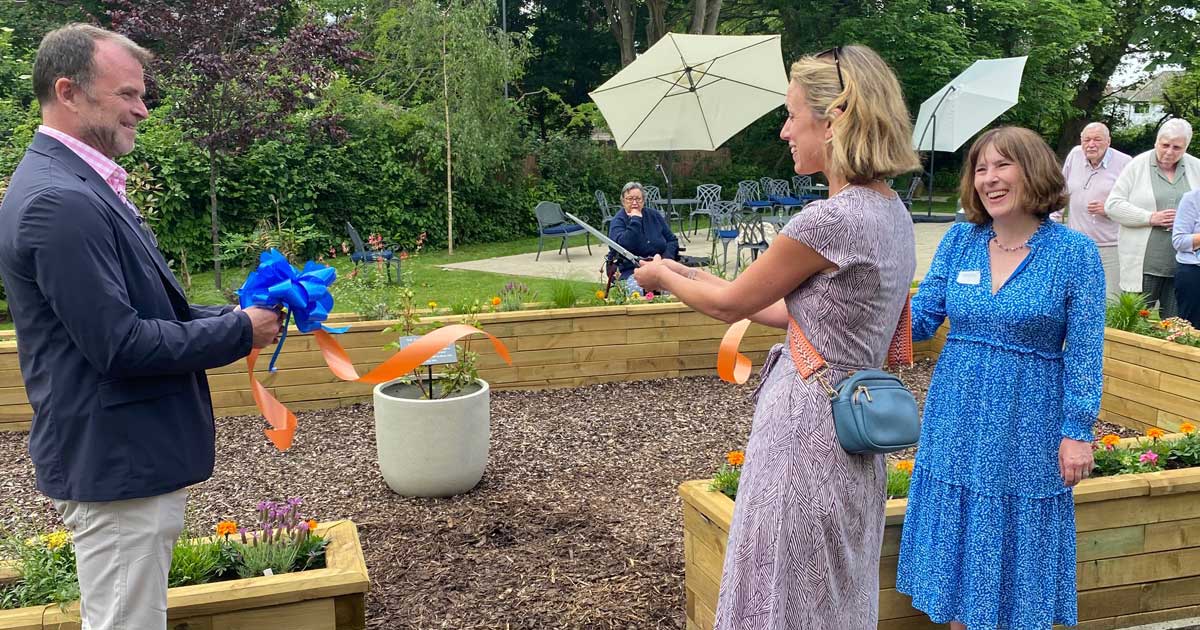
x: 1141, y: 108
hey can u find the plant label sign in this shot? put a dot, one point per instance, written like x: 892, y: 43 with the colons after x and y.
x: 446, y: 355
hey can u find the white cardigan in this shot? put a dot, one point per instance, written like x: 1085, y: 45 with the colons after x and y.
x: 1130, y: 204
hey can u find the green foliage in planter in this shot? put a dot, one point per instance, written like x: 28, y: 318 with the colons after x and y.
x: 899, y: 475
x: 47, y: 566
x: 1148, y: 455
x: 283, y: 543
x: 563, y: 295
x: 195, y: 561
x: 1130, y: 313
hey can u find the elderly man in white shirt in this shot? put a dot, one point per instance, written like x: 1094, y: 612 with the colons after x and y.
x: 1091, y: 169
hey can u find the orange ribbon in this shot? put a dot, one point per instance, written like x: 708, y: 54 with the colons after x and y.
x: 733, y: 366
x: 283, y: 421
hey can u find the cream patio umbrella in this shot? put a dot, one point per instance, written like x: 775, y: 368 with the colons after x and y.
x: 693, y: 92
x: 964, y: 106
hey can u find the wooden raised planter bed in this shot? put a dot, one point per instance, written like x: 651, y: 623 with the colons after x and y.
x: 1149, y: 382
x: 1138, y: 552
x: 332, y: 598
x: 550, y: 348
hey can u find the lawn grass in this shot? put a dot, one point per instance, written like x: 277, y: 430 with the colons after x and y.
x: 431, y: 283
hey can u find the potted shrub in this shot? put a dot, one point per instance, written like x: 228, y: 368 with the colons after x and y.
x: 433, y: 430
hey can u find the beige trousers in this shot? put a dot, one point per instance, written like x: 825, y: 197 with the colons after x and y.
x: 1112, y: 271
x: 123, y: 554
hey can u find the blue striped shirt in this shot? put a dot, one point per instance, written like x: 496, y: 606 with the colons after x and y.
x: 1187, y: 224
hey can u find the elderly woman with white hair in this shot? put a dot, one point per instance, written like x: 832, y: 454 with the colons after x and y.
x: 1143, y: 201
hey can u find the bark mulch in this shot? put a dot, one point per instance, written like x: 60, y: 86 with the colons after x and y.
x: 576, y: 523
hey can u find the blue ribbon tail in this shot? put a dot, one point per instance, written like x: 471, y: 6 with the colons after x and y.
x: 282, y: 338
x: 335, y: 331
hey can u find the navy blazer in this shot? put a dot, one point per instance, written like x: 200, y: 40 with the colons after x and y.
x: 645, y: 236
x: 112, y: 354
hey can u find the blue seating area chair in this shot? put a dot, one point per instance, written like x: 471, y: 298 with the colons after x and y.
x: 708, y: 195
x: 363, y: 255
x: 553, y: 223
x: 780, y: 194
x: 607, y: 212
x: 751, y: 236
x: 751, y: 196
x: 723, y: 230
x: 907, y: 197
x: 802, y: 187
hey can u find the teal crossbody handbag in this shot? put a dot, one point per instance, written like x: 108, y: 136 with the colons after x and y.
x: 873, y: 411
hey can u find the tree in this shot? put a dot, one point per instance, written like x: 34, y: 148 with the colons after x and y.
x: 1182, y: 98
x: 449, y: 62
x: 1127, y: 26
x: 235, y: 71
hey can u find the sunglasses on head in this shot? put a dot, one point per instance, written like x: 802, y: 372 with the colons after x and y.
x: 836, y: 51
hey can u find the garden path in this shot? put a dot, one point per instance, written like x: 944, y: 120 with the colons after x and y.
x: 587, y: 267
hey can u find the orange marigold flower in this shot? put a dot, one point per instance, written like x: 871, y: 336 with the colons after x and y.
x: 1110, y: 440
x: 1155, y: 433
x: 225, y: 528
x: 1187, y: 428
x: 1144, y: 313
x: 735, y: 458
x: 312, y: 524
x: 599, y: 295
x: 495, y: 300
x: 905, y: 465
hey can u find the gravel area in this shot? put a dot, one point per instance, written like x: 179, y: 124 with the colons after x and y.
x: 576, y: 523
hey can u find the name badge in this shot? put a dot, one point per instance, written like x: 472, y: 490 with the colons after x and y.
x: 968, y: 277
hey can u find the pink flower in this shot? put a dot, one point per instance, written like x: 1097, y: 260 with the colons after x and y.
x: 649, y: 295
x: 1149, y: 457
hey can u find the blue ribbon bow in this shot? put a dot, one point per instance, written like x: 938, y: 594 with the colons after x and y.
x: 305, y: 293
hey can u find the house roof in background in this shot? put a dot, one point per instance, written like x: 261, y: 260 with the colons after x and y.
x: 1148, y: 91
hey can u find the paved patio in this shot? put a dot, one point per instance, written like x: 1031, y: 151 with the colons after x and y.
x: 585, y: 267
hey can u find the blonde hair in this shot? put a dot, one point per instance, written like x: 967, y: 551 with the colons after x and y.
x: 1043, y: 188
x: 872, y: 136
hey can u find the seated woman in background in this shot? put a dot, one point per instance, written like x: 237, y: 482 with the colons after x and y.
x: 644, y: 232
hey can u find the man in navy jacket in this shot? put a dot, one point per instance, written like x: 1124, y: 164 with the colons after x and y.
x: 112, y: 354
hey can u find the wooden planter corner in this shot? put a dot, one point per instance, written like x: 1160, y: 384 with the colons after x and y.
x: 1149, y: 382
x: 1138, y: 552
x: 332, y: 598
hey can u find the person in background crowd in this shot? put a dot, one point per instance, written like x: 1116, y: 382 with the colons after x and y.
x: 1185, y: 236
x: 641, y: 230
x: 1091, y: 169
x: 1144, y: 201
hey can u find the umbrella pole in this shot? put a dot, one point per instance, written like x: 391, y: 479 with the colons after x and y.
x: 932, y: 154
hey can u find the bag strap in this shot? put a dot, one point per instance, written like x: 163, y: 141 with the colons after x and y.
x: 734, y: 367
x: 809, y: 361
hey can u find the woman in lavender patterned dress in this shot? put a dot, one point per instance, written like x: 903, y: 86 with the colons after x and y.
x: 803, y: 550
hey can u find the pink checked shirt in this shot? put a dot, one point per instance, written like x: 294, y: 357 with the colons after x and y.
x: 110, y: 171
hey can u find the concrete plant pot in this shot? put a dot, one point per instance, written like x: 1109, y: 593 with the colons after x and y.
x: 432, y: 448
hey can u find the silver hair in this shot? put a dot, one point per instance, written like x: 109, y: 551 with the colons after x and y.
x: 630, y: 186
x: 1096, y: 125
x: 1175, y: 129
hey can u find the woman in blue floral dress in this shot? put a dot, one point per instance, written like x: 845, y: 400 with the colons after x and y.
x: 989, y: 537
